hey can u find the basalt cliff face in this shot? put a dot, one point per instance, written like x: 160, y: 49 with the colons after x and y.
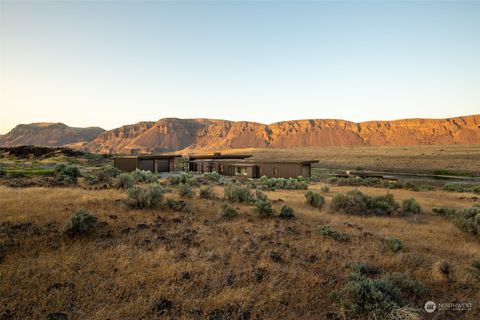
x: 206, y: 135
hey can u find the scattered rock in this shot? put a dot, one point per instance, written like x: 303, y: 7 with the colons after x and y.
x: 142, y: 226
x: 186, y: 275
x: 260, y: 274
x: 7, y: 315
x: 276, y: 257
x: 57, y: 316
x: 163, y: 305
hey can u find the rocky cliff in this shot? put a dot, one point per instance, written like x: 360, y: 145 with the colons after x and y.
x: 203, y: 135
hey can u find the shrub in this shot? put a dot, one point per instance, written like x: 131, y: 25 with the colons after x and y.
x: 2, y: 173
x: 393, y: 244
x: 298, y: 183
x: 329, y: 232
x: 176, y: 205
x: 476, y: 189
x: 259, y: 195
x: 411, y: 205
x: 358, y: 203
x: 206, y: 192
x: 182, y: 178
x: 264, y: 208
x: 146, y: 197
x: 467, y: 220
x: 453, y: 187
x: 144, y: 176
x: 286, y: 212
x: 80, y: 222
x: 66, y: 173
x: 378, y: 297
x: 186, y: 191
x: 227, y: 211
x: 125, y: 181
x: 212, y: 176
x: 314, y: 199
x: 103, y: 175
x: 325, y: 189
x: 474, y: 269
x: 237, y: 193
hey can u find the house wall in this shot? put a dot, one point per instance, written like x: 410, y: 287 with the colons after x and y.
x: 125, y: 164
x: 269, y: 169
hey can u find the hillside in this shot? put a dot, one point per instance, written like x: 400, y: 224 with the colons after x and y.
x: 48, y: 134
x: 201, y: 135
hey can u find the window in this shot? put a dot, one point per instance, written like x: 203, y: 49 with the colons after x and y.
x: 240, y: 171
x: 276, y: 171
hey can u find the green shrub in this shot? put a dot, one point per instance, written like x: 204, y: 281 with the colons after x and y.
x: 125, y: 181
x: 80, y: 222
x: 298, y: 183
x: 286, y: 212
x: 474, y: 269
x: 453, y: 187
x: 314, y: 199
x: 411, y: 205
x: 393, y: 244
x: 227, y: 211
x: 186, y: 191
x: 176, y: 205
x: 183, y: 178
x: 329, y: 232
x: 206, y: 192
x: 2, y: 173
x: 237, y: 193
x: 467, y: 220
x: 476, y: 189
x: 259, y: 195
x: 358, y: 203
x: 144, y: 176
x: 264, y: 208
x: 377, y: 298
x: 325, y: 189
x: 66, y: 173
x: 149, y: 196
x: 212, y: 176
x: 103, y: 175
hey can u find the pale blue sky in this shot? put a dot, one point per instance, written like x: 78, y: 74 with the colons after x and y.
x: 114, y: 63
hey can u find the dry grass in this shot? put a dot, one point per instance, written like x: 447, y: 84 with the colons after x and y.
x: 455, y: 158
x: 206, y: 265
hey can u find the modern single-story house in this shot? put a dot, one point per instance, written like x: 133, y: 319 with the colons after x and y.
x: 165, y: 163
x: 252, y: 168
x: 228, y: 165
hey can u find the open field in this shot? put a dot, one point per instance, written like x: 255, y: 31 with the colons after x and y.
x: 211, y: 267
x: 459, y: 159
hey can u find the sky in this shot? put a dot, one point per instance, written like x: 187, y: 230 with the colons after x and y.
x: 111, y: 63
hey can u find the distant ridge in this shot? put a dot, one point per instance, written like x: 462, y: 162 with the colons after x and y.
x: 48, y: 134
x: 202, y: 135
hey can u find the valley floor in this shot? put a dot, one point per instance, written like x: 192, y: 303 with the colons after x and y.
x: 148, y: 264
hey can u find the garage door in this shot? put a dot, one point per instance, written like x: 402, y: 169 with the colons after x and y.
x: 146, y: 165
x: 163, y: 166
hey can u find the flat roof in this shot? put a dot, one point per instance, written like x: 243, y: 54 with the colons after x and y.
x: 150, y: 156
x: 218, y: 156
x: 253, y: 161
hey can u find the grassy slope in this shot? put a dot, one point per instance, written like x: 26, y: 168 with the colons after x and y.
x: 118, y: 274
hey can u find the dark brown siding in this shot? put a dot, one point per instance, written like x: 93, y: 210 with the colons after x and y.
x: 280, y: 170
x: 126, y: 164
x: 146, y: 165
